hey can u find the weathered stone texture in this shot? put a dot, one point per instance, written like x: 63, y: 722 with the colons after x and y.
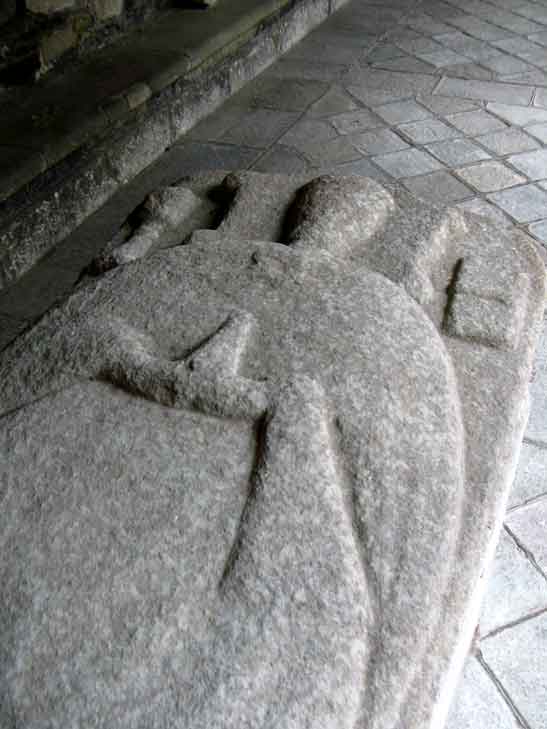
x: 254, y: 483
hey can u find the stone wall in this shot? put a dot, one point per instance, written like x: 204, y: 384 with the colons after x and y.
x: 36, y: 35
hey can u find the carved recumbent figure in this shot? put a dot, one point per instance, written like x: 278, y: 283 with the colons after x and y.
x: 255, y: 484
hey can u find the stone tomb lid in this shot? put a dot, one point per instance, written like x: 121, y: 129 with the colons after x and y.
x: 255, y: 483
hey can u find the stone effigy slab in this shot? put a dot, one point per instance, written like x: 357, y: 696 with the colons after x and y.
x: 250, y: 483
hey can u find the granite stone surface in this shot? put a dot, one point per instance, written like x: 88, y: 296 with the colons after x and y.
x: 255, y: 480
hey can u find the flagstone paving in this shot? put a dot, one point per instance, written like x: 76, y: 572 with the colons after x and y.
x: 448, y: 98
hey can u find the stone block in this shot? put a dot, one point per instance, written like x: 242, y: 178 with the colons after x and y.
x: 243, y: 475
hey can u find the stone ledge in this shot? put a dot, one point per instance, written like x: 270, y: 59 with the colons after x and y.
x: 80, y: 137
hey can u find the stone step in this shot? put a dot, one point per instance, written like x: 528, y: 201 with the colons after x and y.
x: 77, y: 137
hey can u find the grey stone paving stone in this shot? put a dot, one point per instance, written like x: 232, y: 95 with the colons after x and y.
x: 399, y: 112
x: 446, y: 105
x: 518, y: 115
x: 194, y: 156
x: 335, y: 101
x: 467, y: 46
x: 508, y: 141
x: 514, y: 23
x: 517, y: 657
x: 418, y: 44
x: 303, y: 69
x: 259, y: 128
x: 514, y: 589
x: 440, y: 187
x: 428, y: 130
x: 407, y: 163
x: 539, y: 230
x: 9, y: 329
x: 374, y: 86
x: 525, y: 204
x: 329, y: 152
x: 407, y: 64
x: 539, y: 131
x: 360, y: 167
x: 517, y: 46
x: 475, y: 122
x: 444, y: 57
x: 486, y: 90
x: 289, y: 94
x: 540, y: 37
x: 531, y: 476
x: 532, y: 164
x: 478, y: 704
x: 540, y: 98
x: 379, y: 141
x: 529, y: 525
x: 457, y: 152
x: 535, y: 77
x: 312, y: 49
x: 281, y: 160
x: 537, y: 56
x: 478, y: 206
x: 479, y: 28
x: 470, y: 71
x: 427, y: 24
x: 490, y: 176
x: 505, y: 64
x: 308, y: 131
x: 385, y: 52
x: 354, y: 122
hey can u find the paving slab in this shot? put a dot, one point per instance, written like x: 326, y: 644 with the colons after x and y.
x: 525, y: 204
x: 517, y: 658
x: 407, y: 163
x: 445, y: 105
x: 442, y: 58
x: 529, y: 525
x: 532, y: 164
x: 335, y: 101
x: 427, y: 131
x: 486, y: 91
x: 476, y: 122
x: 353, y: 122
x: 508, y: 141
x: 530, y: 482
x: 379, y: 141
x: 539, y: 131
x: 515, y: 589
x: 478, y: 703
x: 399, y: 112
x: 519, y: 115
x: 489, y: 176
x: 457, y: 152
x: 440, y: 187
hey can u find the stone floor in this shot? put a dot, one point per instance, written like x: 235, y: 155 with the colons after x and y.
x: 449, y: 99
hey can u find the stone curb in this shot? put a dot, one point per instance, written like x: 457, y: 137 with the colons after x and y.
x: 133, y: 129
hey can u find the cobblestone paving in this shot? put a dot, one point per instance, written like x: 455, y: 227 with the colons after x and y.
x: 449, y: 99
